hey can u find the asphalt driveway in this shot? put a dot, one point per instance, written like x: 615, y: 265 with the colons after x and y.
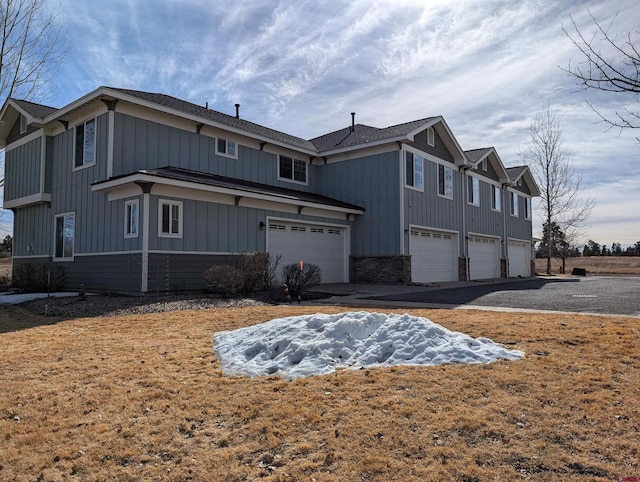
x: 598, y: 294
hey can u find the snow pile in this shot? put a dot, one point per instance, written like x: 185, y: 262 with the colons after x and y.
x: 300, y: 346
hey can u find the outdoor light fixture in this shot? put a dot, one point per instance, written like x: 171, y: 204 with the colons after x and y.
x: 262, y: 226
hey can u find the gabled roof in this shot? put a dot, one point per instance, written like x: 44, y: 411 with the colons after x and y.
x: 476, y: 156
x: 523, y: 172
x: 33, y: 109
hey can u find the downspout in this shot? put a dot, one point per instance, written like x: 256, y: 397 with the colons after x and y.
x: 401, y: 187
x: 146, y: 195
x: 504, y: 202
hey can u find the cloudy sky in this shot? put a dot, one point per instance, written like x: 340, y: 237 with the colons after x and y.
x: 302, y: 66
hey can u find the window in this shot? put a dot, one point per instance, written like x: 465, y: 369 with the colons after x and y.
x: 85, y: 144
x: 292, y: 169
x: 430, y: 136
x: 445, y: 181
x: 484, y: 164
x: 65, y: 228
x: 131, y: 219
x: 23, y: 124
x: 414, y: 170
x: 527, y: 208
x: 495, y: 198
x: 170, y: 219
x: 473, y: 187
x: 226, y: 148
x: 514, y: 204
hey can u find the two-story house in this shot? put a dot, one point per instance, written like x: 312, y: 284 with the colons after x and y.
x: 140, y: 192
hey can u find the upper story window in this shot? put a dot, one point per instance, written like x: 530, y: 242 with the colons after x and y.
x: 85, y: 147
x: 23, y: 124
x: 527, y: 208
x: 474, y: 191
x: 65, y: 233
x: 414, y: 170
x: 291, y: 169
x: 430, y: 136
x: 514, y: 204
x: 484, y: 164
x: 131, y: 219
x: 169, y: 219
x: 226, y: 148
x: 495, y: 198
x: 445, y: 181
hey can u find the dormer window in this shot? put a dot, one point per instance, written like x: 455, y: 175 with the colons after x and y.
x: 85, y: 153
x: 430, y: 136
x: 23, y: 124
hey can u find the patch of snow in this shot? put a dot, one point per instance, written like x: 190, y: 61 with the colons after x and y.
x: 301, y: 346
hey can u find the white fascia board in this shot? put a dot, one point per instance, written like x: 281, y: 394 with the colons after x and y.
x: 141, y: 177
x: 502, y: 174
x: 28, y: 200
x: 368, y: 144
x: 462, y: 157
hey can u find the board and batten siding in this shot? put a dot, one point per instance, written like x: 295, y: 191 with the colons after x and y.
x: 482, y: 219
x: 517, y: 227
x: 428, y: 209
x: 23, y: 168
x: 143, y: 144
x: 32, y: 231
x: 438, y: 149
x: 371, y: 182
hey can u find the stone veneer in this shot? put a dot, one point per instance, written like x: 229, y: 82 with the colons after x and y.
x: 380, y: 269
x: 463, y: 269
x: 503, y: 268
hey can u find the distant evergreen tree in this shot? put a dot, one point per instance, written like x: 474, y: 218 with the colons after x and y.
x: 591, y: 249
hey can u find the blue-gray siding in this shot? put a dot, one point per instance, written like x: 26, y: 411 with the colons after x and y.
x: 482, y: 219
x: 23, y: 168
x: 32, y: 228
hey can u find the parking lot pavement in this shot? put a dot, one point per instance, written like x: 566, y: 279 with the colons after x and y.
x: 597, y: 294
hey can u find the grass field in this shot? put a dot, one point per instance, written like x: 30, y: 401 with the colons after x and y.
x: 5, y: 266
x: 143, y: 398
x: 629, y: 265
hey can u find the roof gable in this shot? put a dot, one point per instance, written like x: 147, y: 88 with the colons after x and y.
x: 476, y: 156
x: 524, y: 173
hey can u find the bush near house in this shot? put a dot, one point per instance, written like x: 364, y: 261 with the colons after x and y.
x: 224, y: 280
x: 299, y: 279
x: 39, y: 278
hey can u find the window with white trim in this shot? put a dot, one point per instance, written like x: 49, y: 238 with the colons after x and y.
x: 484, y: 164
x: 23, y: 124
x: 445, y: 181
x: 473, y: 187
x: 169, y: 219
x: 85, y: 145
x: 291, y: 169
x: 414, y: 170
x: 496, y: 205
x: 131, y: 219
x: 65, y: 234
x: 527, y: 208
x: 430, y: 136
x: 514, y: 204
x: 226, y: 148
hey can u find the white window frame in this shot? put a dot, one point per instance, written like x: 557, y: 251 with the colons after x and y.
x: 416, y: 160
x: 444, y: 170
x: 527, y: 207
x: 170, y: 203
x: 294, y: 162
x: 23, y: 124
x: 496, y: 198
x: 55, y: 237
x: 513, y: 204
x: 128, y: 231
x: 473, y: 191
x: 227, y: 144
x: 484, y: 164
x: 431, y: 137
x: 83, y: 125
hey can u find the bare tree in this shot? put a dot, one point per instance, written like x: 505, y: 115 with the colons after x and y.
x: 560, y: 194
x: 610, y: 63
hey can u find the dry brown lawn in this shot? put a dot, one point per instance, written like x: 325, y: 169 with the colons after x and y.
x: 629, y: 265
x: 5, y: 267
x: 143, y: 398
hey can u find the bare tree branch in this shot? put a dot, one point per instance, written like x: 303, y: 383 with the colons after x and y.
x: 608, y: 64
x: 560, y: 184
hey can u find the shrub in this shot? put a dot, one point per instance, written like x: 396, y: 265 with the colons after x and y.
x: 224, y: 279
x: 300, y: 280
x: 253, y: 268
x: 46, y: 277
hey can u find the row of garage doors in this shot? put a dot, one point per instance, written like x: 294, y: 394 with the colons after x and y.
x: 434, y: 254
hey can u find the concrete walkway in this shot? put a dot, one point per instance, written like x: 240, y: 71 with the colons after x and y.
x: 17, y: 298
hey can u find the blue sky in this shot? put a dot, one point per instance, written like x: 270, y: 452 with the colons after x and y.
x: 303, y: 66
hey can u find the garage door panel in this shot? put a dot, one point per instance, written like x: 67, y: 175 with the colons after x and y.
x: 313, y: 244
x: 519, y: 259
x: 484, y: 257
x: 433, y: 256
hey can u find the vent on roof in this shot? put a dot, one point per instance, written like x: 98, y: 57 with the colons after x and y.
x: 237, y: 111
x: 353, y: 122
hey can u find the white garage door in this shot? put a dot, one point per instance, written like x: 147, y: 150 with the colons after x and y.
x: 325, y: 246
x: 519, y: 259
x: 484, y: 258
x: 433, y: 256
